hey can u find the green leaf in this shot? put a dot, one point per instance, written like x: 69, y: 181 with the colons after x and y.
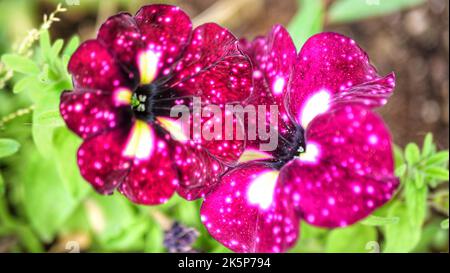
x: 419, y: 179
x: 373, y: 220
x: 20, y: 64
x: 58, y: 86
x: 188, y: 214
x: 401, y: 170
x: 2, y: 186
x: 8, y: 147
x: 351, y: 239
x: 310, y: 231
x: 398, y: 156
x: 24, y: 84
x: 428, y: 146
x: 44, y: 76
x: 444, y: 224
x: 403, y: 236
x: 45, y: 103
x: 111, y: 217
x: 154, y: 239
x: 399, y: 161
x: 50, y: 118
x: 28, y: 239
x: 77, y: 222
x: 55, y: 69
x: 412, y: 153
x: 312, y: 239
x: 221, y: 249
x: 307, y: 22
x: 71, y: 46
x: 47, y: 203
x: 416, y: 202
x: 437, y: 173
x: 351, y: 10
x: 45, y: 44
x: 131, y: 239
x: 65, y: 146
x: 437, y: 159
x: 65, y: 63
x: 57, y: 46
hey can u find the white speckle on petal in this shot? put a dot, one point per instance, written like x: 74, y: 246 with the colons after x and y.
x: 261, y: 190
x: 278, y: 85
x: 315, y: 105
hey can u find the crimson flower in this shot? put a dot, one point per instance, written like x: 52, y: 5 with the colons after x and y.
x: 334, y: 163
x: 125, y: 83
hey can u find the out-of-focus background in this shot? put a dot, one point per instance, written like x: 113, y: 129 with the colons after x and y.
x: 409, y: 37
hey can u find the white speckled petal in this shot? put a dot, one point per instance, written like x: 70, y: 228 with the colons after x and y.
x: 250, y: 212
x: 346, y: 171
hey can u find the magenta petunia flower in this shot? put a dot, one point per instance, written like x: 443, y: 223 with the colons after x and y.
x: 334, y: 163
x: 125, y: 83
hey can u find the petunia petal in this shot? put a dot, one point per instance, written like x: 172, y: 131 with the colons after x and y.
x: 214, y: 127
x: 213, y: 67
x: 121, y: 36
x: 249, y: 211
x: 198, y: 171
x: 90, y: 112
x: 226, y: 142
x: 331, y: 65
x: 273, y: 58
x: 227, y: 81
x: 347, y: 171
x: 93, y: 66
x: 370, y: 94
x: 213, y: 71
x: 209, y: 45
x: 152, y: 178
x: 165, y: 31
x: 101, y: 162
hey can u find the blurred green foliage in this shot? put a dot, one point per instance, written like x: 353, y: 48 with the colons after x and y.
x: 313, y: 14
x: 307, y: 22
x: 45, y: 203
x: 343, y: 11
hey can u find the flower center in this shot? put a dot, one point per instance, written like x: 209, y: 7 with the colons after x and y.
x: 292, y: 146
x: 142, y: 102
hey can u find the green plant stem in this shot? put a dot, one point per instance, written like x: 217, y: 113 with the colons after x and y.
x: 16, y: 114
